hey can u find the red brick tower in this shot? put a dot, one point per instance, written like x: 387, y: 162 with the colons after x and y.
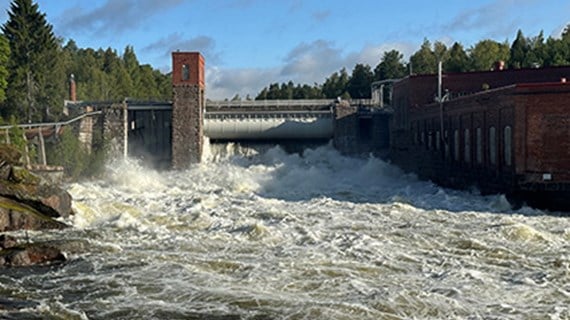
x: 187, y: 108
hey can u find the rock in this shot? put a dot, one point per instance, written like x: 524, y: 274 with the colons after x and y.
x: 25, y: 187
x: 17, y: 216
x: 7, y: 242
x: 30, y: 254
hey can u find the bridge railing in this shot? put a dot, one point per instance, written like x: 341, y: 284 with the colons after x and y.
x: 40, y: 130
x: 268, y: 114
x: 268, y: 103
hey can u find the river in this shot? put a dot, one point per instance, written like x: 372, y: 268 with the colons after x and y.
x: 268, y: 235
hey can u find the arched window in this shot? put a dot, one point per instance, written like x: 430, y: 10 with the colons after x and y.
x: 467, y: 142
x: 430, y: 140
x: 492, y: 146
x: 508, y: 144
x: 423, y: 138
x: 438, y: 140
x: 456, y: 145
x: 479, y: 146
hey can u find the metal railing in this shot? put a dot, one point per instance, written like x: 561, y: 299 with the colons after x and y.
x: 269, y: 103
x: 50, y: 124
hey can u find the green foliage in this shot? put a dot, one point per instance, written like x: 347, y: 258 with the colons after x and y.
x: 35, y: 83
x: 519, y: 51
x: 424, y: 61
x: 359, y: 84
x: 390, y: 67
x: 4, y: 59
x: 486, y: 53
x: 457, y: 60
x: 289, y: 90
x: 335, y: 85
x: 68, y: 152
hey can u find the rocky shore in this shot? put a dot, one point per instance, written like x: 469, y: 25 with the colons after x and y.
x: 28, y: 202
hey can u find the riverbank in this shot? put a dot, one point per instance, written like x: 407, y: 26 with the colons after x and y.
x: 28, y: 202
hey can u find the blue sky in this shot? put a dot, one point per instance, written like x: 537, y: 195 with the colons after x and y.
x: 251, y: 43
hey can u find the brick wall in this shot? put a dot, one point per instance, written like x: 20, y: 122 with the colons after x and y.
x: 544, y: 118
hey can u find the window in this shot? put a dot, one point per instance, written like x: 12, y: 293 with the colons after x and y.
x: 456, y: 145
x: 423, y: 138
x: 508, y: 144
x: 467, y: 142
x: 492, y: 146
x: 185, y: 72
x: 479, y: 146
x: 430, y: 140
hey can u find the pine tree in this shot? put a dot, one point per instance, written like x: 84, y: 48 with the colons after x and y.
x: 519, y: 51
x: 36, y: 85
x: 359, y: 84
x: 4, y: 58
x: 424, y: 60
x: 391, y: 66
x: 458, y: 61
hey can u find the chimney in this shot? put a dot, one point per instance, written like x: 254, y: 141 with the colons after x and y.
x: 72, y: 88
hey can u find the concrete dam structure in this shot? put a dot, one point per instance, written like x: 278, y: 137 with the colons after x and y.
x: 171, y: 134
x: 269, y: 120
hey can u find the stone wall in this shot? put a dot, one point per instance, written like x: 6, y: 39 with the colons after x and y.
x: 114, y: 126
x: 187, y: 125
x: 361, y: 131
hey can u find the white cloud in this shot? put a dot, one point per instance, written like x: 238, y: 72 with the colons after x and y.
x: 177, y: 42
x: 307, y: 63
x: 114, y: 16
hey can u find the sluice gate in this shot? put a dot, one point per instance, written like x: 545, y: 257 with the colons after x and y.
x: 268, y: 125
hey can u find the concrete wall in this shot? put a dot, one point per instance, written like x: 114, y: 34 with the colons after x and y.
x: 360, y: 131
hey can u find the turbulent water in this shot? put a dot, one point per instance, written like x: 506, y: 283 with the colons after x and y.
x: 268, y: 235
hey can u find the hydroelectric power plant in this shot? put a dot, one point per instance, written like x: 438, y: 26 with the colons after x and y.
x: 251, y: 233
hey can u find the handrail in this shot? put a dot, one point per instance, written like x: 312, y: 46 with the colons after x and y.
x: 261, y: 103
x: 51, y: 124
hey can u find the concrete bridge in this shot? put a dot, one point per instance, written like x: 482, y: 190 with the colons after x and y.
x: 171, y: 134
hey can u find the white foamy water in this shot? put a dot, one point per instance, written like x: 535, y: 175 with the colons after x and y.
x: 268, y: 235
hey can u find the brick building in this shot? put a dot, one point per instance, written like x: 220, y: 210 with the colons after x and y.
x: 502, y: 131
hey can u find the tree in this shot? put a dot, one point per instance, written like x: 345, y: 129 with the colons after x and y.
x: 424, y: 60
x: 390, y: 67
x: 36, y: 82
x: 4, y: 59
x: 335, y: 86
x: 519, y: 51
x: 359, y: 84
x: 536, y: 55
x: 486, y: 53
x: 457, y: 60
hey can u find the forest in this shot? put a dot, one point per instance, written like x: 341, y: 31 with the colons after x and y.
x: 35, y: 68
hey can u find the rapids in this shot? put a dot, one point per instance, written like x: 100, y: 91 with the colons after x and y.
x: 262, y: 234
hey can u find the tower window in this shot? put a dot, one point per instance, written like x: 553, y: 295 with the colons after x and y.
x: 185, y: 72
